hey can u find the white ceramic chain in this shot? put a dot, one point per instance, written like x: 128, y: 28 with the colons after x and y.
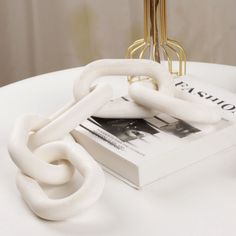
x: 36, y: 141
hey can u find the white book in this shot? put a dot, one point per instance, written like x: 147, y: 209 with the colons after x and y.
x: 141, y: 151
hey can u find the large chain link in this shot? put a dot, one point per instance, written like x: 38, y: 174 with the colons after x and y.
x: 37, y: 142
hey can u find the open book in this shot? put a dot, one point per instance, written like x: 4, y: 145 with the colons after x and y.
x: 140, y: 151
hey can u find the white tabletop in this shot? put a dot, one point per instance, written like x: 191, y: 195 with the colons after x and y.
x: 200, y: 200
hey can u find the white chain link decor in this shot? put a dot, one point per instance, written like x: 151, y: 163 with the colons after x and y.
x: 36, y: 142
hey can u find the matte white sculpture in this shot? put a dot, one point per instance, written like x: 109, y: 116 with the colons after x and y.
x: 85, y: 196
x: 27, y: 161
x: 37, y: 141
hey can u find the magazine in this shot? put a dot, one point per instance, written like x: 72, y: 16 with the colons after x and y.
x: 139, y: 150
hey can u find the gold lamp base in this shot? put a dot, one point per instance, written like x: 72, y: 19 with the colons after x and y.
x: 155, y: 42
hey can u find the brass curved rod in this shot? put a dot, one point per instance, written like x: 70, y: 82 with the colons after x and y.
x: 131, y: 49
x: 154, y: 49
x: 174, y: 50
x: 144, y: 50
x: 135, y: 50
x: 182, y: 52
x: 169, y: 58
x: 178, y: 56
x: 180, y: 72
x: 130, y: 54
x: 138, y: 41
x: 134, y: 44
x: 178, y: 45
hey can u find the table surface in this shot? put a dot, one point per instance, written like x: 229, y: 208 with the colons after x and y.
x: 200, y: 200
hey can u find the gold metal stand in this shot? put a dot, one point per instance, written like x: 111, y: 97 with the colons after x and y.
x: 156, y: 40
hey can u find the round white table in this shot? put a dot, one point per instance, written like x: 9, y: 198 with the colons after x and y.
x: 200, y: 200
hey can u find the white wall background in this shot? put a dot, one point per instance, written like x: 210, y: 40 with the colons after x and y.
x: 39, y: 36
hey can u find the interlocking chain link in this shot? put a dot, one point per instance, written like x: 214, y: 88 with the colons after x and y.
x: 37, y: 142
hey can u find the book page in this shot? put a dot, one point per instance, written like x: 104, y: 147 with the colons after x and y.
x: 152, y: 137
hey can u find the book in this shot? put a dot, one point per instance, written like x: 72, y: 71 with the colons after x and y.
x: 141, y: 151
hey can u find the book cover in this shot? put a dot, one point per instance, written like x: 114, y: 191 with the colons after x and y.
x: 141, y: 151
